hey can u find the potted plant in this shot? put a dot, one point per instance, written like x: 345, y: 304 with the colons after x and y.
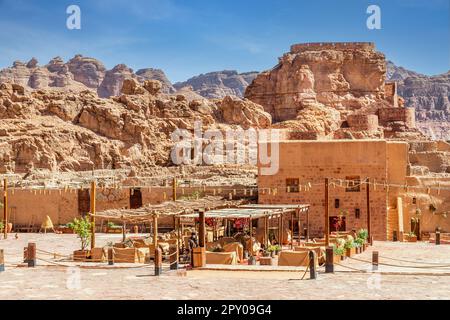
x: 271, y: 250
x: 359, y: 242
x: 349, y: 246
x: 338, y: 253
x: 113, y: 228
x: 82, y: 227
x: 411, y: 237
x: 274, y: 249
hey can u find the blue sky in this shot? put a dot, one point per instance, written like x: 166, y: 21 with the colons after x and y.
x: 185, y: 38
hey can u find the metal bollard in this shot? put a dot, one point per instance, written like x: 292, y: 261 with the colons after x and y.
x: 394, y: 236
x: 329, y: 263
x: 158, y: 261
x: 2, y: 260
x: 312, y: 265
x: 371, y: 240
x: 375, y: 260
x: 110, y: 256
x: 438, y: 237
x: 31, y: 254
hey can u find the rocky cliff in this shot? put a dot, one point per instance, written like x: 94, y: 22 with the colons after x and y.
x: 78, y: 74
x: 333, y: 90
x: 217, y: 85
x: 428, y: 95
x: 78, y: 131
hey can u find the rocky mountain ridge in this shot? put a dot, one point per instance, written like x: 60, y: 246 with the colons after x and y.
x: 218, y: 84
x: 78, y: 74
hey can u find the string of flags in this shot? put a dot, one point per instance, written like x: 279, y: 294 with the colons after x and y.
x: 274, y: 190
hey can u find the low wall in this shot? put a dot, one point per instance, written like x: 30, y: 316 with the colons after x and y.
x: 61, y: 206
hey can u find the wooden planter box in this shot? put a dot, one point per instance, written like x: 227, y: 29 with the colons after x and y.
x: 409, y: 238
x: 350, y: 252
x: 65, y: 230
x: 80, y: 255
x: 114, y: 230
x: 337, y: 258
x: 265, y: 261
x: 198, y: 257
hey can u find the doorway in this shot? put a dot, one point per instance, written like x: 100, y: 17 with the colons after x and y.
x: 84, y: 202
x: 135, y: 198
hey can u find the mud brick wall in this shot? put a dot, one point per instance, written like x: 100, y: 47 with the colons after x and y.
x: 363, y: 122
x: 312, y: 162
x: 407, y: 115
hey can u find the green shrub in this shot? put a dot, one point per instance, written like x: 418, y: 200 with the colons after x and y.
x: 274, y: 248
x: 349, y: 244
x: 82, y: 227
x: 338, y: 251
x: 363, y: 234
x: 359, y: 242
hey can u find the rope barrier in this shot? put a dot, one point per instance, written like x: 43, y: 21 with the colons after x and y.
x: 351, y: 268
x: 404, y: 266
x: 409, y: 261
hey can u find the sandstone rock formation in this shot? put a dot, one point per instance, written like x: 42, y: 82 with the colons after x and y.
x: 244, y: 113
x: 68, y: 131
x: 333, y: 89
x: 217, y: 85
x: 428, y: 95
x: 78, y: 74
x: 156, y: 74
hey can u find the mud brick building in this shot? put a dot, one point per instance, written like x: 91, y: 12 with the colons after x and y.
x: 304, y: 165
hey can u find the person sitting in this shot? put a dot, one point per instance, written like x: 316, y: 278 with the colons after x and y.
x: 193, y: 243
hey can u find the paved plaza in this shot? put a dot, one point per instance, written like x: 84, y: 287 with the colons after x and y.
x: 419, y: 271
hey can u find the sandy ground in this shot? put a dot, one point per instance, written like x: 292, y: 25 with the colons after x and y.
x: 48, y: 281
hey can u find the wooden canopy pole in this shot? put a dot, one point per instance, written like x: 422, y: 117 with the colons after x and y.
x: 93, y: 196
x: 266, y: 236
x: 281, y: 228
x: 307, y: 225
x: 201, y: 229
x: 292, y: 230
x: 327, y: 219
x: 368, y: 207
x: 5, y: 208
x: 174, y: 189
x: 251, y: 235
x: 155, y: 230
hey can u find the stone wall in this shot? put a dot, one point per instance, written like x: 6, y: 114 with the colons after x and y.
x: 63, y: 206
x: 406, y: 115
x: 315, y: 46
x: 362, y: 122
